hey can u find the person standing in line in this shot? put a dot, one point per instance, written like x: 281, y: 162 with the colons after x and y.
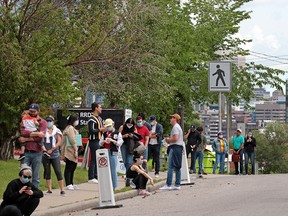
x: 154, y: 145
x: 21, y: 197
x: 52, y: 141
x: 238, y: 143
x: 193, y: 138
x: 249, y: 151
x: 112, y: 140
x: 70, y: 153
x: 145, y: 133
x: 175, y: 149
x: 220, y: 146
x: 33, y: 151
x: 95, y: 131
x: 200, y: 151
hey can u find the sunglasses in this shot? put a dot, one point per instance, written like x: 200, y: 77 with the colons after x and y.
x: 29, y: 177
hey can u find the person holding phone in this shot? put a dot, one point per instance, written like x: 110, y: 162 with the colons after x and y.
x: 21, y: 197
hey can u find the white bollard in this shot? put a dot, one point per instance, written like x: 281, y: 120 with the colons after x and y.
x: 185, y: 177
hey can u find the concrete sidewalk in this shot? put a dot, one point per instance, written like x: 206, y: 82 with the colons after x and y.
x: 84, y: 198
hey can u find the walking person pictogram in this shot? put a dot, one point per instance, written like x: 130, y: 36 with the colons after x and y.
x: 220, y: 74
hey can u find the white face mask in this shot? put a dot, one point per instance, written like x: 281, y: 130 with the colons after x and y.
x: 221, y: 136
x: 76, y: 123
x: 129, y: 126
x: 110, y: 128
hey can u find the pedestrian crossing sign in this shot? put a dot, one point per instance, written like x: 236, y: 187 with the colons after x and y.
x: 220, y: 76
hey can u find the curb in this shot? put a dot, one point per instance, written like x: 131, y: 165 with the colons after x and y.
x: 92, y: 203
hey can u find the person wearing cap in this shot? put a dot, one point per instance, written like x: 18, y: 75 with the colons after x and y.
x: 112, y: 140
x: 30, y: 123
x: 175, y: 149
x: 238, y: 143
x: 52, y: 141
x: 200, y: 151
x: 69, y: 153
x: 21, y: 197
x: 95, y: 131
x: 220, y: 146
x: 154, y: 144
x: 34, y: 144
x: 193, y: 138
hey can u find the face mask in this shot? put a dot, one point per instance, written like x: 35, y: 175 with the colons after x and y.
x: 139, y: 124
x: 50, y: 124
x: 152, y: 123
x: 249, y: 135
x: 140, y: 161
x: 76, y: 123
x: 220, y: 136
x: 25, y: 180
x: 110, y: 128
x: 129, y: 126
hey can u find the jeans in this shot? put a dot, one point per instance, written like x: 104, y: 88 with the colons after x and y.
x: 241, y: 163
x: 92, y: 171
x: 200, y: 156
x: 170, y: 171
x: 154, y: 151
x: 193, y: 157
x: 127, y: 158
x: 250, y: 155
x: 145, y: 157
x: 34, y: 160
x: 113, y: 159
x: 220, y: 157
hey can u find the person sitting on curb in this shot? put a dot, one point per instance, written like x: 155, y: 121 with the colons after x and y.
x: 138, y: 175
x: 22, y: 194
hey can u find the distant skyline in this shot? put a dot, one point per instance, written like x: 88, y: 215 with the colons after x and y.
x: 267, y: 28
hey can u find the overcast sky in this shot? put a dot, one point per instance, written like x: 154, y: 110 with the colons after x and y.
x: 268, y: 30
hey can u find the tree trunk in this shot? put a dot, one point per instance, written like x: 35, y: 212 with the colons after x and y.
x: 7, y: 148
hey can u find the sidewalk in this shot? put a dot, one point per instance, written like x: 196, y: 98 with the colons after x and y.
x: 84, y: 198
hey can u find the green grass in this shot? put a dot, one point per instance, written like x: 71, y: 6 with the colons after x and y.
x: 9, y: 170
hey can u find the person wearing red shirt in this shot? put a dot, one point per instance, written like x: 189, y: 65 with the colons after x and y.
x: 145, y: 133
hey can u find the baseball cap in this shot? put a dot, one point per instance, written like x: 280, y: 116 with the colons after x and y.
x: 176, y: 116
x: 108, y: 122
x: 239, y: 130
x: 34, y: 107
x: 152, y: 118
x: 193, y: 126
x: 50, y: 118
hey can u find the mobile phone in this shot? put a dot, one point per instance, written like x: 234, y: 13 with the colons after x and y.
x: 28, y: 188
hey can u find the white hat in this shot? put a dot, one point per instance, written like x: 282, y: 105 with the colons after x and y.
x: 108, y: 122
x: 239, y: 130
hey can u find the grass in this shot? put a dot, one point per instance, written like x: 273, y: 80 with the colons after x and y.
x: 9, y: 170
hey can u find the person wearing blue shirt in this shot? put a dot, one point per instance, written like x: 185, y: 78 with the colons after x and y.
x: 238, y: 143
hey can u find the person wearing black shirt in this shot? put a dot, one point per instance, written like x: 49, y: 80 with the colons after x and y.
x: 193, y: 138
x: 249, y: 147
x: 21, y: 197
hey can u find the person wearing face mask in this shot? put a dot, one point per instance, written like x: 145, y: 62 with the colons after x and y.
x: 112, y: 140
x: 52, y: 142
x: 138, y: 175
x: 220, y: 146
x: 32, y: 140
x: 238, y: 143
x: 21, y: 197
x: 145, y: 133
x: 69, y: 153
x: 249, y: 153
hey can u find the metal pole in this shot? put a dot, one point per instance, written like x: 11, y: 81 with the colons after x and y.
x: 228, y: 123
x: 220, y: 112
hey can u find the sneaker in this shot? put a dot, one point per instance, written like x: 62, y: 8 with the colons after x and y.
x: 48, y: 192
x: 46, y: 154
x: 176, y: 187
x: 21, y: 157
x: 62, y: 193
x: 204, y: 173
x: 144, y: 192
x: 93, y: 181
x: 166, y: 187
x: 190, y: 171
x: 200, y: 176
x: 76, y: 187
x: 70, y: 187
x: 127, y: 182
x: 156, y: 175
x: 132, y: 185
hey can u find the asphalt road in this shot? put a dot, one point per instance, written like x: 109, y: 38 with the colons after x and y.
x: 262, y: 195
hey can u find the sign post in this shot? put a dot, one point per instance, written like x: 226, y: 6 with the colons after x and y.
x: 106, y: 193
x: 220, y: 80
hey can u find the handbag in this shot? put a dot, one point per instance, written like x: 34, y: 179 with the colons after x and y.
x: 139, y: 148
x: 235, y: 157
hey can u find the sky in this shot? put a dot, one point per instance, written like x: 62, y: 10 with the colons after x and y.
x: 268, y: 30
